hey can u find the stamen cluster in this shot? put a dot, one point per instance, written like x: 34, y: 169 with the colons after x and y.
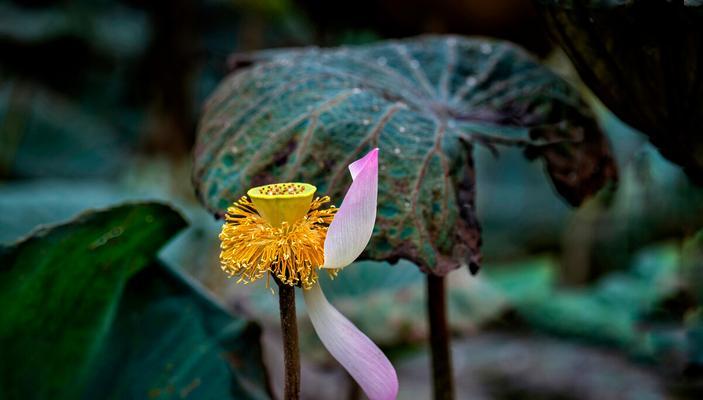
x: 293, y: 252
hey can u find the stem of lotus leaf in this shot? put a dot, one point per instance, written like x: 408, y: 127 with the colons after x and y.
x: 291, y: 352
x: 442, y: 376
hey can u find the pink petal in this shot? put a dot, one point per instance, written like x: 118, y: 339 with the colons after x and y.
x: 351, y: 229
x: 364, y: 361
x: 358, y: 165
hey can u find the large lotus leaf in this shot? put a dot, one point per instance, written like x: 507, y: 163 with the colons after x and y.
x: 77, y: 296
x: 643, y: 59
x: 306, y: 114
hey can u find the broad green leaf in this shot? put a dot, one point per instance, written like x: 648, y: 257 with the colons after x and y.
x: 168, y: 341
x: 60, y: 288
x: 82, y: 311
x: 28, y: 203
x: 306, y: 114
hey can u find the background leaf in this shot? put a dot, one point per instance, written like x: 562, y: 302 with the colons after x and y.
x: 643, y: 70
x: 613, y: 311
x: 91, y: 306
x: 72, y: 277
x: 46, y: 134
x: 306, y: 114
x: 170, y: 342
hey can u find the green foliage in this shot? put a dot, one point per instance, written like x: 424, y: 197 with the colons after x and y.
x: 609, y: 312
x: 47, y: 135
x: 524, y: 281
x: 168, y: 341
x: 306, y: 114
x: 82, y: 304
x: 72, y: 278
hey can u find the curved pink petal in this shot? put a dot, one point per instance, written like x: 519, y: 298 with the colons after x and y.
x: 364, y: 361
x: 351, y: 228
x: 358, y: 165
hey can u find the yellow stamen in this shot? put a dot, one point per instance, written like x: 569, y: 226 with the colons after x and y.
x: 282, y: 202
x: 293, y: 250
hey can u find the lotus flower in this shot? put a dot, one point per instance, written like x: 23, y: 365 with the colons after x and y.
x: 281, y: 230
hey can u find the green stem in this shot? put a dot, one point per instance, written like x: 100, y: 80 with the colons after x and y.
x: 289, y: 331
x: 442, y: 376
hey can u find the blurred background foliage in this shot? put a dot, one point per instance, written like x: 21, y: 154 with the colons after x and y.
x: 99, y: 102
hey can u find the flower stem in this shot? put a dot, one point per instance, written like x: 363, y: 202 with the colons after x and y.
x: 442, y: 377
x: 291, y: 352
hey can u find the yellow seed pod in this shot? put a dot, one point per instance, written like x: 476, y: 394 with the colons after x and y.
x: 282, y: 202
